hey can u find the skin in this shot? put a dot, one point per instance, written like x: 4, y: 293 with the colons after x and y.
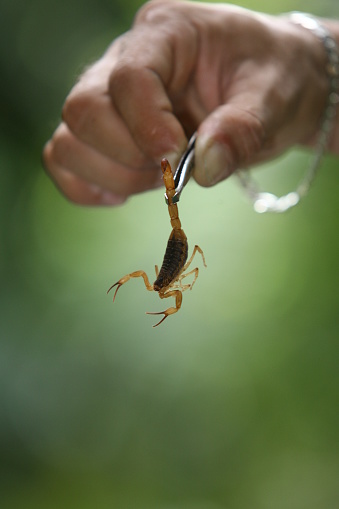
x: 253, y: 85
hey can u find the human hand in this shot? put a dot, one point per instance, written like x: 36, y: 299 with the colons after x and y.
x: 250, y: 83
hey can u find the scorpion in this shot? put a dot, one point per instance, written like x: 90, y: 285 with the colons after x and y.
x: 168, y: 281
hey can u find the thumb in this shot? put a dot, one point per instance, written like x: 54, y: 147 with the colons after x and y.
x: 229, y: 138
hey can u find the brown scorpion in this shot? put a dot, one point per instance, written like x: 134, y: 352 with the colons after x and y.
x: 168, y: 281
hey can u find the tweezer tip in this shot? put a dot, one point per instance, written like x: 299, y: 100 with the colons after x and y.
x: 184, y: 170
x: 175, y: 198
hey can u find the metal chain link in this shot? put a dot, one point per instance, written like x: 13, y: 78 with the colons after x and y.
x: 268, y: 202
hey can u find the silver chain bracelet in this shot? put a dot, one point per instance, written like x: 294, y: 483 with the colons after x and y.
x: 268, y: 202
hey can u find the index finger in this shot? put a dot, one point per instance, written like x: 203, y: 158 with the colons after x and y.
x: 147, y: 84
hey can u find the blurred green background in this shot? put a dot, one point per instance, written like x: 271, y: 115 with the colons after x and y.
x: 233, y: 402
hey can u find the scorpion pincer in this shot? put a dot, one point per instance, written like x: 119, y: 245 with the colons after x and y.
x: 168, y: 281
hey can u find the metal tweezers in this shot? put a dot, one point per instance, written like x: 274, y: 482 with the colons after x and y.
x: 184, y: 170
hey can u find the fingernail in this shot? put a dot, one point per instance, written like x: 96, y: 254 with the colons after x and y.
x: 108, y: 198
x: 213, y: 161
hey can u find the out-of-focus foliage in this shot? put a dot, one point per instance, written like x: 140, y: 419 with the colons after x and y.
x: 233, y: 402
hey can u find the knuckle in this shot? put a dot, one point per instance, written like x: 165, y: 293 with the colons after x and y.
x: 76, y: 111
x: 244, y: 134
x: 249, y: 138
x: 124, y: 75
x: 56, y: 151
x: 71, y: 186
x: 59, y: 148
x: 154, y: 11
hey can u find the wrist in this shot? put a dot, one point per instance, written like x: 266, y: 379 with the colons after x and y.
x: 327, y: 33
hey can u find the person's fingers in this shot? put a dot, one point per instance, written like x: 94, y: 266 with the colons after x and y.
x: 120, y: 106
x: 229, y: 138
x: 147, y: 112
x: 260, y: 118
x: 89, y: 113
x: 151, y: 79
x: 88, y: 178
x: 67, y: 152
x: 74, y: 187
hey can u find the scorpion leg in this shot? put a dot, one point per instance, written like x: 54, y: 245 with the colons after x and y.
x: 190, y: 285
x: 170, y: 311
x: 188, y: 263
x: 195, y: 271
x: 178, y: 285
x: 123, y: 280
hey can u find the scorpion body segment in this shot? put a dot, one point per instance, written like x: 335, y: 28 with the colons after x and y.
x: 168, y: 281
x: 174, y: 259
